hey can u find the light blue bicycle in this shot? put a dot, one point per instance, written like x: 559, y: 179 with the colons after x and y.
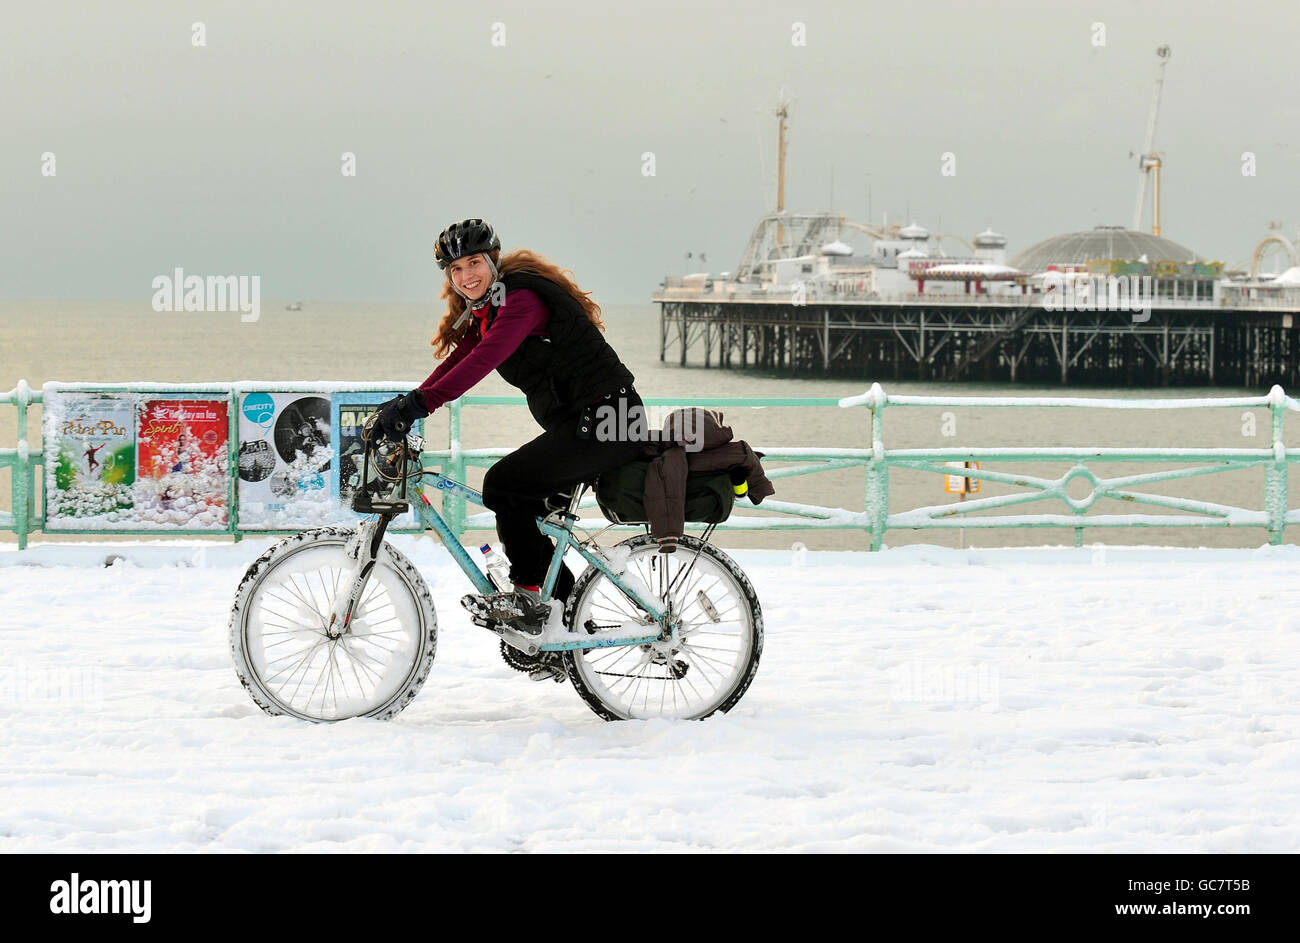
x: 335, y: 623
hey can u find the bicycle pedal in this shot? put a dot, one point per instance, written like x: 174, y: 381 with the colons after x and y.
x: 547, y: 673
x: 476, y: 607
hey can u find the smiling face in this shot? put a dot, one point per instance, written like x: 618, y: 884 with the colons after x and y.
x: 471, y: 275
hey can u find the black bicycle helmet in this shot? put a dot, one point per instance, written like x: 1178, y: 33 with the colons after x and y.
x: 467, y: 237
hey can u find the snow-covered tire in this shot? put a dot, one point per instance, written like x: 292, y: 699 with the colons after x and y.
x: 308, y: 566
x: 599, y: 674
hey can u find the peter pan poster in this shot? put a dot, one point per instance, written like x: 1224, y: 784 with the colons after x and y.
x: 90, y: 459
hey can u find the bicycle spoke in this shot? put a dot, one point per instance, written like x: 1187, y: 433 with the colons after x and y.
x: 687, y: 679
x: 705, y: 648
x: 292, y: 587
x: 294, y: 668
x: 325, y: 593
x: 293, y: 633
x: 607, y: 667
x: 296, y: 656
x: 333, y: 666
x: 293, y: 607
x: 354, y: 662
x: 383, y: 643
x: 691, y: 659
x: 715, y: 662
x: 304, y: 592
x: 312, y: 693
x: 370, y: 671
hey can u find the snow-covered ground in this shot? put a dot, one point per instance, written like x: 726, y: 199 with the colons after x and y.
x: 912, y: 700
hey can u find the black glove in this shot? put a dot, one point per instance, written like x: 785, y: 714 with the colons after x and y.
x: 398, y: 415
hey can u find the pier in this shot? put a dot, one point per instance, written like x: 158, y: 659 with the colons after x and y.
x: 983, y: 337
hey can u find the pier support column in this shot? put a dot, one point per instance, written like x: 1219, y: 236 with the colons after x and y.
x: 920, y: 348
x: 826, y: 340
x: 1164, y: 355
x: 1065, y: 350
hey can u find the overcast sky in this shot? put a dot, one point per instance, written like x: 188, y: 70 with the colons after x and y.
x: 225, y: 159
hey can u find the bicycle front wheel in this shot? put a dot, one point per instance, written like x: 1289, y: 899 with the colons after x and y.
x: 707, y: 670
x: 288, y: 663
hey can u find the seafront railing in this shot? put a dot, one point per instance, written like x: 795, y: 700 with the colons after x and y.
x: 874, y: 519
x: 1273, y: 516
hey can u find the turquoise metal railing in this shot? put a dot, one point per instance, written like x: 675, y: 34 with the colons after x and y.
x: 875, y: 518
x: 1274, y: 516
x: 22, y: 466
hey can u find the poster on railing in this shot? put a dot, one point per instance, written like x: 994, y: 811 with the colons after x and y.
x: 348, y: 414
x: 89, y: 460
x: 284, y: 459
x: 134, y: 461
x: 182, y: 462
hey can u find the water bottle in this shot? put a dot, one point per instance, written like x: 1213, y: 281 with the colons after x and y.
x: 498, y: 568
x: 739, y: 483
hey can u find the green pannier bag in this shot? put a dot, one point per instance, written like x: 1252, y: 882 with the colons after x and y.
x: 621, y: 495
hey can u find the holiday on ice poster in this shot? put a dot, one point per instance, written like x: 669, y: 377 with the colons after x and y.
x: 182, y: 457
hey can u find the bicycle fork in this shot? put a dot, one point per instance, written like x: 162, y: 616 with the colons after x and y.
x: 363, y: 548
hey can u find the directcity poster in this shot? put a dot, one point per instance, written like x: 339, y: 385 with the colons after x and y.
x: 284, y: 456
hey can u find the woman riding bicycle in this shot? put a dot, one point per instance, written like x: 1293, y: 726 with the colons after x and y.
x: 524, y: 317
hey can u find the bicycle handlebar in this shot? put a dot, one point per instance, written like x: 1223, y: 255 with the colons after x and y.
x: 386, y: 467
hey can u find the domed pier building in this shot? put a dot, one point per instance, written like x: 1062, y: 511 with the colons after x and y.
x: 818, y: 295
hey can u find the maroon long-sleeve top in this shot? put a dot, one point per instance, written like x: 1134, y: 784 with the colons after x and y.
x: 480, y: 351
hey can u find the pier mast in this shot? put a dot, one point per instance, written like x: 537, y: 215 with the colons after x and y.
x: 782, y: 113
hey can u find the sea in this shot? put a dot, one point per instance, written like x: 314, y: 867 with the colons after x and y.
x: 117, y: 341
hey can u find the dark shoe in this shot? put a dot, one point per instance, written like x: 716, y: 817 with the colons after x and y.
x: 520, y: 609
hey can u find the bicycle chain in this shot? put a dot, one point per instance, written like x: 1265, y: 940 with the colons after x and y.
x: 521, y: 662
x: 677, y: 670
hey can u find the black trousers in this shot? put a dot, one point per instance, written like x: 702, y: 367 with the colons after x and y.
x: 516, y: 487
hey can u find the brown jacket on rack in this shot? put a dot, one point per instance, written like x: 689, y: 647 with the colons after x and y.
x: 694, y: 440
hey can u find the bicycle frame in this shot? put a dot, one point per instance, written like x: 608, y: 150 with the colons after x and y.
x: 564, y: 539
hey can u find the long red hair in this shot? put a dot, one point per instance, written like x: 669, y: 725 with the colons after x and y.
x: 520, y: 260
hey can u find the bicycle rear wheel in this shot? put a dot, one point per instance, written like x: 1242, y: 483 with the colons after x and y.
x: 287, y: 662
x: 707, y: 670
